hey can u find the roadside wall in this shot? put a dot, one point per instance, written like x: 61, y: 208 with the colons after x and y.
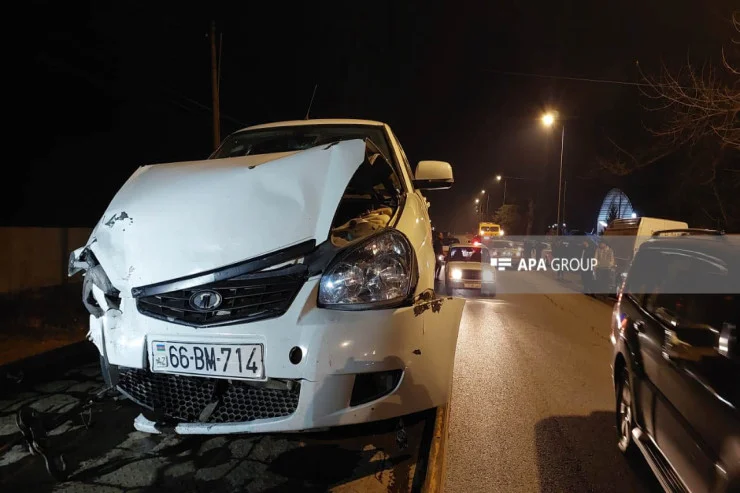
x: 37, y: 257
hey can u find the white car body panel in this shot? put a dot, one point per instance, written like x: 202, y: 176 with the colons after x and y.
x: 217, y: 208
x: 171, y: 230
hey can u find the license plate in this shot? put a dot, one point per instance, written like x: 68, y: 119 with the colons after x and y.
x: 242, y: 361
x: 471, y: 285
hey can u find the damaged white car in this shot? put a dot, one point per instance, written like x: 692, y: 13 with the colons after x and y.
x: 284, y: 284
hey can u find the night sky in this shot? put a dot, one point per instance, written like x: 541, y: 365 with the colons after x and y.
x: 110, y: 86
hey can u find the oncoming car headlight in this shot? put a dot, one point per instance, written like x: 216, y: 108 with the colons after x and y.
x: 379, y: 272
x: 456, y: 274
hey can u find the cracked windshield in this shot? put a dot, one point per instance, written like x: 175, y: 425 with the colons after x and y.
x: 400, y: 247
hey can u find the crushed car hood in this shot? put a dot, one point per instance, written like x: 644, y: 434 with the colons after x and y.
x: 178, y: 219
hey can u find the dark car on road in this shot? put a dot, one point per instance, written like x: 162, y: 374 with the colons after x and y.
x: 676, y: 362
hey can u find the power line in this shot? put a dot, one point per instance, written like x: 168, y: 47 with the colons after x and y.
x: 571, y: 78
x: 209, y: 108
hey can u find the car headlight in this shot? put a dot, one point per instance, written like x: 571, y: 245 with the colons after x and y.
x: 378, y: 272
x: 441, y: 258
x: 456, y: 274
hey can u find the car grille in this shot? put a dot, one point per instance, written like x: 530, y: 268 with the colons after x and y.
x: 183, y: 398
x: 471, y: 275
x: 246, y: 298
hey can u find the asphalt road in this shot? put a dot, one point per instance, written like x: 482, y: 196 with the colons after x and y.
x: 533, y: 407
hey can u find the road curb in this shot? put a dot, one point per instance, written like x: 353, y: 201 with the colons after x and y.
x: 435, y: 475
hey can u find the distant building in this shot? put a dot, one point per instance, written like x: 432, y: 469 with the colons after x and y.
x: 616, y: 205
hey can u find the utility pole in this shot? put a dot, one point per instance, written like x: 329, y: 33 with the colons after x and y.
x: 560, y: 179
x: 565, y: 190
x: 214, y: 82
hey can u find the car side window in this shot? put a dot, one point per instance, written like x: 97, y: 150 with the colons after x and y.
x: 663, y: 277
x: 674, y: 301
x: 456, y: 255
x: 639, y: 284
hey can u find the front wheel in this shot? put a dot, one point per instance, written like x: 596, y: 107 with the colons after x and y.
x: 625, y: 417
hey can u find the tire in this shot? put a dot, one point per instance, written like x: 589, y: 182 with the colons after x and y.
x: 625, y: 417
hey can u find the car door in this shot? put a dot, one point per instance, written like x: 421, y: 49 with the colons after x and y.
x: 647, y: 337
x: 694, y: 412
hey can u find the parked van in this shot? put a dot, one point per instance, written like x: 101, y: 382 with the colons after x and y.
x: 639, y: 229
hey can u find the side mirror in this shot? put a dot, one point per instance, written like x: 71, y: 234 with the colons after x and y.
x: 433, y: 175
x: 690, y: 343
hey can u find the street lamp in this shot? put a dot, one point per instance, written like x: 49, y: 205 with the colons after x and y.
x: 548, y: 120
x: 483, y: 192
x: 499, y: 178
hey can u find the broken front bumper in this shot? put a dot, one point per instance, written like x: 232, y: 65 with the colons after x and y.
x: 348, y: 357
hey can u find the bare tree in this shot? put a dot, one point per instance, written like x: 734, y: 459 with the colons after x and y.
x: 697, y: 110
x: 699, y: 102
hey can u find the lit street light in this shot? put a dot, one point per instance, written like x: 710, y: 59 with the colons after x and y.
x: 483, y: 192
x: 548, y: 120
x: 499, y: 178
x: 477, y: 200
